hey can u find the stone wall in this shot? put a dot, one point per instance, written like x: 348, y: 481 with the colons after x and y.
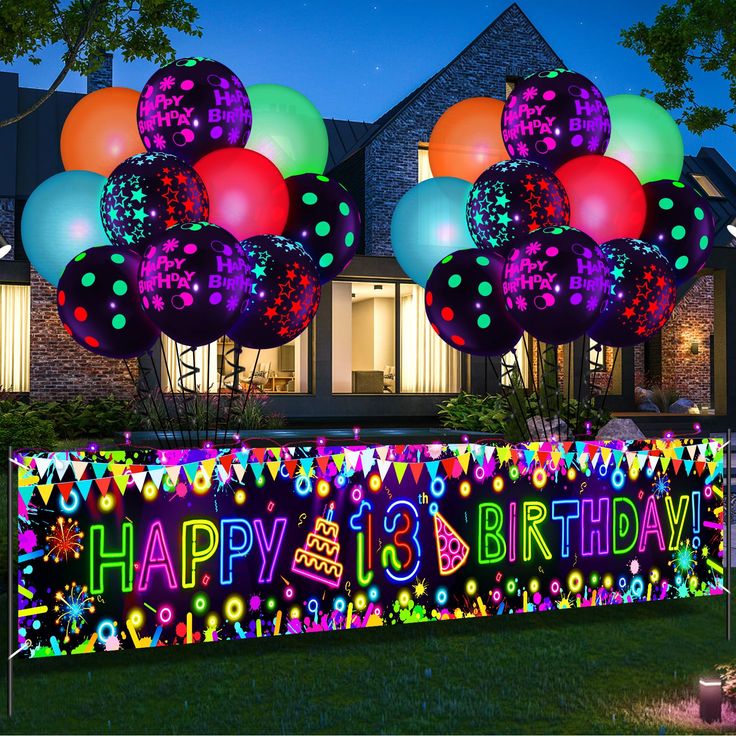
x: 510, y: 47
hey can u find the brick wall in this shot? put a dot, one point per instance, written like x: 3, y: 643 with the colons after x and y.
x: 61, y: 369
x: 102, y: 77
x: 7, y: 224
x: 511, y: 47
x: 692, y: 321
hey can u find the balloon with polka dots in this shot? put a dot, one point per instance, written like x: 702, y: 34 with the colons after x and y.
x: 192, y: 107
x: 681, y: 224
x: 325, y: 219
x: 98, y: 303
x: 465, y: 304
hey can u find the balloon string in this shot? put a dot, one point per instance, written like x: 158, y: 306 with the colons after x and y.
x: 610, y: 376
x: 175, y: 398
x: 525, y: 340
x: 502, y: 390
x: 140, y: 398
x: 543, y: 401
x: 220, y: 358
x: 579, y: 391
x: 160, y: 387
x: 234, y: 378
x: 527, y: 400
x: 570, y: 385
x: 187, y: 392
x: 250, y: 386
x: 152, y: 398
x: 207, y: 395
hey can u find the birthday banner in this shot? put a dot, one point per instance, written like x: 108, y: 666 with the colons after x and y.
x: 142, y: 548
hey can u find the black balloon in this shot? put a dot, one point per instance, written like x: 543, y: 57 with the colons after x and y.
x: 681, y: 224
x: 193, y: 281
x: 556, y: 283
x: 325, y: 219
x: 465, y: 305
x: 642, y: 293
x: 99, y: 305
x: 148, y: 193
x: 285, y: 293
x: 555, y: 116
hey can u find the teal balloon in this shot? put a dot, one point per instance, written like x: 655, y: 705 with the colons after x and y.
x: 429, y: 223
x: 61, y: 219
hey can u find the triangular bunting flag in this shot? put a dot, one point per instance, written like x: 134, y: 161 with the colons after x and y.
x: 83, y: 487
x: 26, y: 492
x: 190, y: 470
x: 273, y: 468
x: 65, y: 489
x: 173, y: 472
x: 338, y: 459
x: 239, y: 471
x: 99, y: 469
x: 416, y: 470
x: 78, y: 467
x: 306, y: 463
x: 256, y: 469
x: 45, y: 491
x: 432, y: 468
x: 208, y: 466
x: 400, y: 469
x: 322, y: 462
x: 157, y: 474
x: 42, y: 465
x: 383, y: 466
x: 290, y: 466
x: 121, y: 481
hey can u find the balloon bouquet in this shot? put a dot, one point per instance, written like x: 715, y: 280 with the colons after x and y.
x: 197, y: 209
x: 559, y: 213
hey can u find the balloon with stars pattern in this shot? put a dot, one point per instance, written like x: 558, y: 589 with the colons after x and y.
x: 554, y: 116
x: 193, y: 106
x: 556, y: 283
x: 325, y: 219
x: 642, y: 293
x: 99, y: 306
x: 512, y: 198
x: 148, y: 193
x: 465, y: 305
x: 681, y: 224
x: 193, y: 281
x: 284, y: 296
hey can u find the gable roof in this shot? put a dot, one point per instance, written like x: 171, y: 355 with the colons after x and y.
x: 378, y: 126
x: 344, y: 136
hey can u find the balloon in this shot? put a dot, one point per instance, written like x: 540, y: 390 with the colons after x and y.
x: 645, y: 138
x: 681, y: 223
x: 99, y: 305
x: 60, y: 219
x: 284, y: 297
x: 512, y: 198
x: 193, y: 106
x: 554, y: 116
x: 606, y: 199
x: 465, y: 305
x: 325, y: 219
x: 556, y: 282
x: 148, y: 193
x: 467, y: 139
x: 248, y: 195
x: 287, y: 129
x: 193, y: 281
x: 642, y: 294
x: 100, y: 131
x: 428, y: 223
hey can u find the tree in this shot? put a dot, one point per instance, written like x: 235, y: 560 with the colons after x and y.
x: 87, y: 29
x: 687, y: 35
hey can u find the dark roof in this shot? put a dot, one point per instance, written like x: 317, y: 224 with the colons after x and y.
x: 389, y: 115
x: 344, y: 136
x: 711, y: 164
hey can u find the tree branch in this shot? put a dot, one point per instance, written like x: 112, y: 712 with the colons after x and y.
x: 71, y: 55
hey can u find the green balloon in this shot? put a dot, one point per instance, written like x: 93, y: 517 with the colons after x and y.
x: 645, y: 138
x: 287, y: 129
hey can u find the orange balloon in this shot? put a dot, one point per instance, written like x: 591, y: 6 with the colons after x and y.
x: 101, y: 130
x: 467, y: 139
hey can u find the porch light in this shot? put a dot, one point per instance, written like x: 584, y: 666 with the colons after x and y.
x: 710, y: 699
x: 694, y: 347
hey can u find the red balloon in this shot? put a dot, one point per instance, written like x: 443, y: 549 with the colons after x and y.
x: 606, y: 198
x: 248, y: 195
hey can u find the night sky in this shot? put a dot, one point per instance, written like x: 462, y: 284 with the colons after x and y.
x: 356, y: 59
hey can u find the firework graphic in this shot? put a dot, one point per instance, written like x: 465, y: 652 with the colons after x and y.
x: 684, y: 559
x: 661, y: 485
x: 65, y: 540
x: 73, y: 604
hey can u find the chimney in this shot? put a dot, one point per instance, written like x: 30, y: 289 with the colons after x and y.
x: 102, y: 77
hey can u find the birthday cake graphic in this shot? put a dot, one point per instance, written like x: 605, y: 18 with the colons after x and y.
x: 318, y: 559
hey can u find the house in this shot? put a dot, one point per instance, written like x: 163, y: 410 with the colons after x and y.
x: 370, y: 354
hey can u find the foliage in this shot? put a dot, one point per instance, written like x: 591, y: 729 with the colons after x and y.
x: 86, y: 29
x: 506, y: 415
x: 77, y: 417
x: 729, y: 678
x: 664, y: 397
x: 26, y: 431
x: 687, y: 34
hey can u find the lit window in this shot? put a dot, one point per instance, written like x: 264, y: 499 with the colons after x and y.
x: 277, y: 370
x: 424, y: 171
x: 708, y: 187
x: 15, y: 337
x: 428, y: 363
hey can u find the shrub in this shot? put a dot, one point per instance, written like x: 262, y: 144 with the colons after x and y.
x: 26, y: 430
